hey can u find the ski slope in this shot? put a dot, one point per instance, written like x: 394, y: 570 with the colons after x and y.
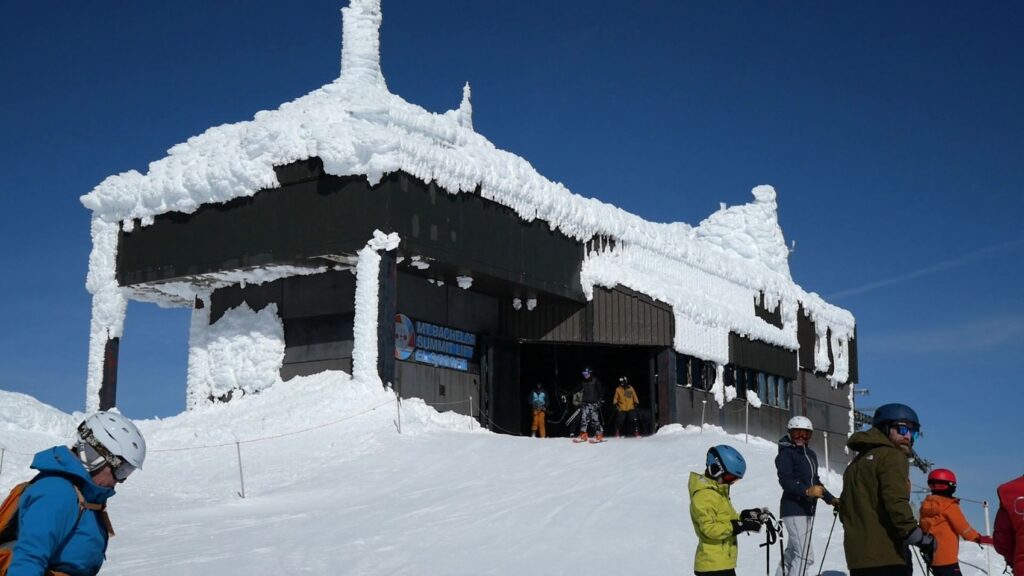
x: 332, y: 487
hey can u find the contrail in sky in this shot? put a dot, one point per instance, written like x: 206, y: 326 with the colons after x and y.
x: 944, y: 265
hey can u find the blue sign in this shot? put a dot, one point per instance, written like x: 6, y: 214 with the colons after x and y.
x: 432, y: 344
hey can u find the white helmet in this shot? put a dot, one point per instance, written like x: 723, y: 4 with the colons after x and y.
x: 114, y: 434
x: 800, y: 423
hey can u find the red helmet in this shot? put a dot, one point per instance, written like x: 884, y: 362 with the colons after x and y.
x: 941, y: 479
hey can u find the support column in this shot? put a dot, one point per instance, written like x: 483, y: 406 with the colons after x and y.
x: 667, y: 411
x: 387, y: 308
x: 367, y: 325
x: 108, y: 386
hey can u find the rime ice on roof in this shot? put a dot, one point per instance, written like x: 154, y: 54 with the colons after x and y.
x: 750, y: 231
x: 710, y: 274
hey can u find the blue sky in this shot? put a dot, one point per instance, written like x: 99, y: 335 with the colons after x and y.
x: 891, y: 131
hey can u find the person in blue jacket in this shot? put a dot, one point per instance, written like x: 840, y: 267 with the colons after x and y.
x: 62, y: 522
x: 797, y: 467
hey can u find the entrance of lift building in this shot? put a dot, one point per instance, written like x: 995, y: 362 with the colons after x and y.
x: 559, y: 368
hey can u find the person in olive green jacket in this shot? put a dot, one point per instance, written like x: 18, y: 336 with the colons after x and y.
x: 714, y: 519
x: 878, y: 520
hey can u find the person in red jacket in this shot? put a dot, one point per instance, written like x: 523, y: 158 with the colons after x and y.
x: 942, y: 517
x: 1008, y: 535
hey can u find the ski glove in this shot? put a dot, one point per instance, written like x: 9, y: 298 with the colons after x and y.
x: 752, y: 514
x: 925, y: 543
x: 745, y: 526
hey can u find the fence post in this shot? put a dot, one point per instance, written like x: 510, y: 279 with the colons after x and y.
x: 988, y: 532
x: 398, y: 407
x: 746, y: 423
x: 828, y: 469
x: 703, y: 405
x: 241, y: 477
x: 470, y: 411
x: 2, y: 452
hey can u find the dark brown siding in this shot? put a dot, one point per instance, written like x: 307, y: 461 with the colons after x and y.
x: 312, y: 217
x: 618, y: 316
x: 760, y: 356
x: 773, y: 317
x: 806, y: 335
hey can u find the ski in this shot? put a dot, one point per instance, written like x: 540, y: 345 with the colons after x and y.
x: 596, y: 441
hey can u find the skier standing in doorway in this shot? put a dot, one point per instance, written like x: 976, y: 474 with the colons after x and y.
x: 539, y: 404
x: 625, y: 403
x: 590, y: 406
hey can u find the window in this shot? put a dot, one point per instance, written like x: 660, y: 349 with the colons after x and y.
x: 762, y: 388
x: 683, y: 370
x: 709, y: 371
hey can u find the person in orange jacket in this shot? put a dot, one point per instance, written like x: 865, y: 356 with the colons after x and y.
x: 942, y: 518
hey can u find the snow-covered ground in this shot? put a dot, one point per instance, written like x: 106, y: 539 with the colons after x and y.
x: 332, y: 487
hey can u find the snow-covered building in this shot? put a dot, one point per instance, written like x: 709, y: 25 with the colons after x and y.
x: 351, y: 230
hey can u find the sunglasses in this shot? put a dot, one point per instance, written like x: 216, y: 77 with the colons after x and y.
x: 907, y: 430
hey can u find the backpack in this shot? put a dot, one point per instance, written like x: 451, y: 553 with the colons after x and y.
x: 9, y: 523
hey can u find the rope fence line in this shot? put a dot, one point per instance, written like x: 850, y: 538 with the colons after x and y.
x: 494, y: 425
x: 276, y: 436
x: 926, y: 490
x: 9, y: 451
x: 4, y: 451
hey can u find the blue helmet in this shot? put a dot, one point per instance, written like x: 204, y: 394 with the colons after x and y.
x: 895, y: 413
x: 724, y: 459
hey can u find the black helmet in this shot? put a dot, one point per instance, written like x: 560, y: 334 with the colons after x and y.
x: 895, y: 413
x: 538, y: 386
x: 587, y: 372
x: 623, y: 380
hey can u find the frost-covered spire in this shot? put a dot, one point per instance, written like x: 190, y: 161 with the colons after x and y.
x: 750, y: 231
x: 466, y: 108
x: 360, y: 42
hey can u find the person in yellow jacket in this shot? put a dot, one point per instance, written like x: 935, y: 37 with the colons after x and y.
x: 625, y: 402
x: 942, y: 517
x: 714, y: 519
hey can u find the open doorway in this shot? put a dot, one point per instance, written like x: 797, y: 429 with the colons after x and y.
x: 558, y: 367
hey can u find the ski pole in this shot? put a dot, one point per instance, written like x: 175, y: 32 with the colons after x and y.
x: 782, y: 550
x: 921, y: 563
x: 771, y: 534
x: 807, y: 547
x: 835, y: 516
